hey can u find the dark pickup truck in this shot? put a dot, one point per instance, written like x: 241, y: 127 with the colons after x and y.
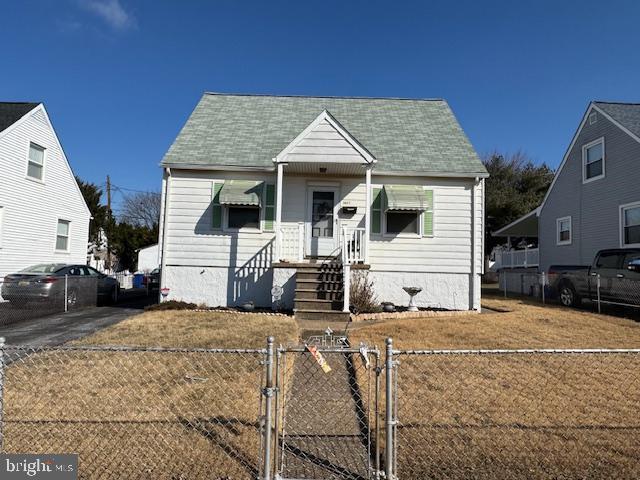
x: 617, y: 270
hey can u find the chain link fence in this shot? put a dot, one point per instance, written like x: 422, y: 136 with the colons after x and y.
x: 325, y: 411
x: 23, y: 299
x: 616, y: 289
x: 134, y: 412
x: 516, y: 414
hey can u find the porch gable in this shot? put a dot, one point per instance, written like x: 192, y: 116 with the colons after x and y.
x: 325, y: 140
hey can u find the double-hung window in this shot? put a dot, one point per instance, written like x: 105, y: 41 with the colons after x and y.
x: 563, y: 231
x: 35, y: 163
x: 593, y: 160
x: 630, y: 225
x: 62, y: 236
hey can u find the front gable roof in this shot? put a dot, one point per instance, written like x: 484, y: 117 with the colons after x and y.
x: 251, y: 130
x: 322, y: 132
x: 626, y: 116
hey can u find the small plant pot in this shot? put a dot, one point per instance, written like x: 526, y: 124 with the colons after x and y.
x: 247, y: 306
x: 388, y: 307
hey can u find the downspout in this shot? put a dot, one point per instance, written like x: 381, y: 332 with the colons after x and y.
x: 163, y: 256
x: 473, y: 245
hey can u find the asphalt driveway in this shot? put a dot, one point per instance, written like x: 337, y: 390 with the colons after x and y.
x: 59, y: 328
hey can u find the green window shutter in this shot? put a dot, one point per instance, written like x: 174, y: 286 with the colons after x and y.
x: 270, y: 207
x: 376, y: 211
x: 216, y: 208
x: 427, y: 216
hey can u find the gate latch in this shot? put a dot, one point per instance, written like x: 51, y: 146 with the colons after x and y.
x: 364, y: 352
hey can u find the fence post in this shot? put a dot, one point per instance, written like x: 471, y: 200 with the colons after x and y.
x: 598, y: 292
x: 2, y: 362
x: 66, y: 292
x: 544, y: 284
x: 268, y: 394
x: 504, y: 283
x: 389, y: 420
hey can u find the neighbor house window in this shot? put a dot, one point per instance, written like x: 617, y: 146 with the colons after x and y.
x: 62, y: 235
x: 35, y: 166
x: 593, y: 160
x: 402, y: 222
x: 243, y: 217
x: 563, y: 227
x: 630, y: 225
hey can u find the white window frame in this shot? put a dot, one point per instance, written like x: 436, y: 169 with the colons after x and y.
x: 44, y: 162
x: 622, y: 210
x: 584, y: 160
x: 402, y: 235
x: 558, y: 223
x: 55, y: 241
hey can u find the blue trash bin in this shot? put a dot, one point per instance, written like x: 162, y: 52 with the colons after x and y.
x: 138, y: 280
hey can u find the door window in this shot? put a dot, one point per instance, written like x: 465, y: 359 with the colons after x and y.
x: 322, y: 214
x: 609, y: 260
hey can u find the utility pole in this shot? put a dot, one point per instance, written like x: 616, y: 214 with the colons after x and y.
x: 109, y: 223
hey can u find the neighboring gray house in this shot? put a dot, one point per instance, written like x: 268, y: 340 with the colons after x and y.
x: 267, y: 191
x: 593, y: 202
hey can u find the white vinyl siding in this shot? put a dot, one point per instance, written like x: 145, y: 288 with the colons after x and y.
x: 563, y: 231
x: 593, y: 161
x: 630, y: 225
x: 35, y: 162
x: 1, y: 224
x: 32, y: 208
x: 191, y: 241
x: 62, y: 236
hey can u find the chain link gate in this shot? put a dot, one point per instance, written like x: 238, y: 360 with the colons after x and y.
x: 326, y: 410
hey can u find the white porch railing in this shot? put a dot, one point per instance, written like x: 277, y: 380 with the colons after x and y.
x: 529, y: 257
x: 352, y: 243
x: 292, y: 243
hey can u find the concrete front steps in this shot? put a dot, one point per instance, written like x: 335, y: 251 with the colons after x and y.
x: 319, y: 293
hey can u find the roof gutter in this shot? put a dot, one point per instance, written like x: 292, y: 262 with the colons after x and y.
x: 390, y: 173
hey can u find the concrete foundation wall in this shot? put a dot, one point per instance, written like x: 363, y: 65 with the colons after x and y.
x: 219, y: 286
x: 439, y: 290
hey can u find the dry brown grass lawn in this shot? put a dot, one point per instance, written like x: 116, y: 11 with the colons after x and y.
x: 148, y: 414
x: 516, y: 416
x: 523, y: 324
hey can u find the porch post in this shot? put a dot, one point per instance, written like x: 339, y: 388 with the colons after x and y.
x: 279, y: 212
x: 367, y: 215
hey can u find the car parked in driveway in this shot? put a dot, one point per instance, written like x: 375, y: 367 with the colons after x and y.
x: 56, y: 282
x: 616, y: 270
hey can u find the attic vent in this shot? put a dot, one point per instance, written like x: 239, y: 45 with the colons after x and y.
x: 593, y: 118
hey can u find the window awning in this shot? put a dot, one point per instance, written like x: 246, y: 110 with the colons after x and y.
x: 241, y: 192
x: 405, y: 197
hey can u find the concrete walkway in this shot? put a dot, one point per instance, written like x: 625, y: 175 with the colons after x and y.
x: 325, y: 415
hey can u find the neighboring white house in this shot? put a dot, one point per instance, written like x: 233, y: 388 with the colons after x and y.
x: 266, y: 191
x: 148, y: 258
x: 43, y: 216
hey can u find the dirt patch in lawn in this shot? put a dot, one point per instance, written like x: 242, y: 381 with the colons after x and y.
x: 146, y: 414
x: 515, y: 415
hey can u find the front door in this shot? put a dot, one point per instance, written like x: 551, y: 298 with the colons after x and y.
x: 321, y: 213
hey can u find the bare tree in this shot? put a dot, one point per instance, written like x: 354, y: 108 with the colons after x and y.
x: 141, y: 209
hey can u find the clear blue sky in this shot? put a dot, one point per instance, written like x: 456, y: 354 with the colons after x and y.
x: 120, y: 77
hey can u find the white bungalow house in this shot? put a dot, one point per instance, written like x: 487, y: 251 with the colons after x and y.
x: 272, y: 198
x: 43, y: 216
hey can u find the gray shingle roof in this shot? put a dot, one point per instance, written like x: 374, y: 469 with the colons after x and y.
x: 626, y: 114
x: 250, y: 130
x: 11, y: 112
